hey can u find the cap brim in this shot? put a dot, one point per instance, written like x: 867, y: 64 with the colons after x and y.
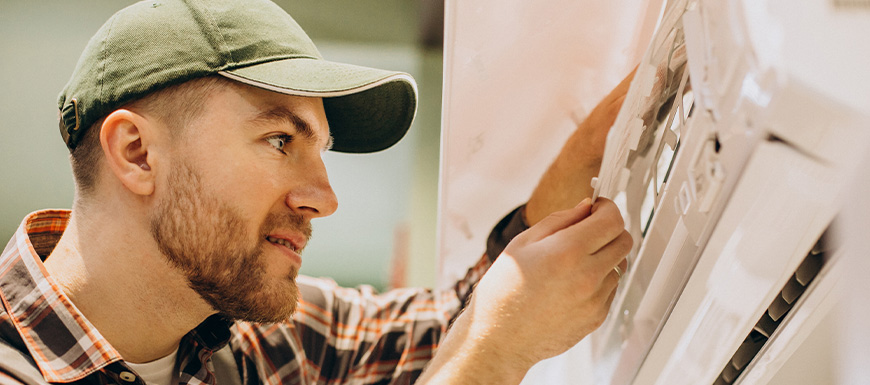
x: 368, y: 109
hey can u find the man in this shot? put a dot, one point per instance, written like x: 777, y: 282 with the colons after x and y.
x: 196, y: 130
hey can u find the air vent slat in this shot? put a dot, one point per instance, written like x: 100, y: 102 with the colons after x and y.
x: 766, y: 325
x: 776, y: 312
x: 793, y: 289
x: 748, y: 349
x: 729, y: 374
x: 778, y: 308
x: 809, y: 268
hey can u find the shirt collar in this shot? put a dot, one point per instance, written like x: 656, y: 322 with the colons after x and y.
x: 64, y: 344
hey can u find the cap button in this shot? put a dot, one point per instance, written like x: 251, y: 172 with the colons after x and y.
x: 127, y: 376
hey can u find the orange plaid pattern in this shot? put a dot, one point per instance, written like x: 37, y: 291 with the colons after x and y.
x: 337, y: 336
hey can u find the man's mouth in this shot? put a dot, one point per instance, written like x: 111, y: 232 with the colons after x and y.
x: 282, y: 242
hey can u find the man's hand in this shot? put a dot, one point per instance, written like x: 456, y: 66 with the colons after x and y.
x: 567, y: 180
x: 552, y: 286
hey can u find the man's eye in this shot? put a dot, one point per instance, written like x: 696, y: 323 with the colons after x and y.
x: 279, y: 141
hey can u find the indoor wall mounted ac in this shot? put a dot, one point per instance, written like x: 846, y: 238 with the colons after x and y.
x: 729, y: 159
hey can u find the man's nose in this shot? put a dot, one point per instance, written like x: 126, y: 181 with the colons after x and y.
x: 313, y: 197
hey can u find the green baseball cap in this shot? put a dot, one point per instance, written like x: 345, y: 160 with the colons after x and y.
x: 154, y: 44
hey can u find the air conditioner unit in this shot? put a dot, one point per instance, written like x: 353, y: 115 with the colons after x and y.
x: 735, y: 261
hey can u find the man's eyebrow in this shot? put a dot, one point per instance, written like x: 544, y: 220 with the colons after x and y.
x: 282, y: 115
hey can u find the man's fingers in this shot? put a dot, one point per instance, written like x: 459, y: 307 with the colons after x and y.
x: 623, y: 264
x: 619, y: 271
x: 560, y: 220
x: 601, y: 227
x: 605, y: 296
x: 613, y: 254
x: 610, y: 298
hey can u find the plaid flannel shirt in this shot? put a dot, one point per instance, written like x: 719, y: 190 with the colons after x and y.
x: 337, y: 336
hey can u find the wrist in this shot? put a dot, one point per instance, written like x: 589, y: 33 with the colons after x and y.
x: 564, y: 184
x: 470, y: 354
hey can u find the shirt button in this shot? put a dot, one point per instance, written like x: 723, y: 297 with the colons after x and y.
x: 127, y: 376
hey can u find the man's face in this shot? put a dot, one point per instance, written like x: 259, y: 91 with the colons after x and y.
x: 233, y: 214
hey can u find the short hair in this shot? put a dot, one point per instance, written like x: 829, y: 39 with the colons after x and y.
x: 175, y: 106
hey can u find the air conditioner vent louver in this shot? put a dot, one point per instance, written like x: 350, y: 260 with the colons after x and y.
x: 772, y: 318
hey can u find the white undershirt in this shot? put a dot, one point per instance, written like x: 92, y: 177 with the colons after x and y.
x: 157, y: 372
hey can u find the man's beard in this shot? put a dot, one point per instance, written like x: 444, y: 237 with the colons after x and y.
x: 207, y: 241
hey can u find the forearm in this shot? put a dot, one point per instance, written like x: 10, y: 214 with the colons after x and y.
x: 565, y: 183
x: 550, y: 288
x: 466, y: 357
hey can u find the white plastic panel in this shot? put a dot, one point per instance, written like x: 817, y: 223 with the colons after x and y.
x: 740, y: 108
x: 743, y: 266
x: 851, y: 336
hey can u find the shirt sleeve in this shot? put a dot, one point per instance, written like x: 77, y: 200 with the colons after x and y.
x: 358, y: 336
x: 509, y: 227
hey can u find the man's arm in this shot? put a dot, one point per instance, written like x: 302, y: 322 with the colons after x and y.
x: 363, y: 337
x: 567, y: 180
x: 554, y: 283
x: 551, y: 287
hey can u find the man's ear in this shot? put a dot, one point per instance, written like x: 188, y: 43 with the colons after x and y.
x: 125, y: 138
